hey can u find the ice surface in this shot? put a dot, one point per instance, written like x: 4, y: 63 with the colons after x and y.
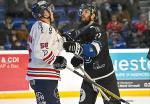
x: 133, y: 100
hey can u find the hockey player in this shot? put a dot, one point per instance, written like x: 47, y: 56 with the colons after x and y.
x: 89, y: 44
x: 45, y: 44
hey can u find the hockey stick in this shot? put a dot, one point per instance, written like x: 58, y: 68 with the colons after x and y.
x: 99, y: 86
x: 101, y: 91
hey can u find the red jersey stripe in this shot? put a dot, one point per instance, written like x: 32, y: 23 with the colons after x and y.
x: 44, y: 69
x: 39, y: 75
x: 48, y: 56
x: 51, y: 60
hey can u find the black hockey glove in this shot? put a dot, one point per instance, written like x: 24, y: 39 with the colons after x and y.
x: 73, y: 47
x: 60, y: 62
x: 71, y: 35
x: 76, y: 61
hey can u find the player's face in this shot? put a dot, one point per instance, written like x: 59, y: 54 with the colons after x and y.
x: 49, y: 14
x: 86, y: 15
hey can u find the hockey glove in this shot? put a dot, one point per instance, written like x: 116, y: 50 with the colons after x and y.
x: 60, y: 62
x: 76, y: 61
x: 73, y: 47
x: 71, y: 35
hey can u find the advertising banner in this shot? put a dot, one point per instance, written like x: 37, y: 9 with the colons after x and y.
x: 132, y: 68
x: 13, y: 65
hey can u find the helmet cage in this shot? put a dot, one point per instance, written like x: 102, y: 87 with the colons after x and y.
x: 38, y: 8
x: 90, y: 7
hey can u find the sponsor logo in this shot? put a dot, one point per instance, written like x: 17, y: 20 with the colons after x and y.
x: 131, y: 65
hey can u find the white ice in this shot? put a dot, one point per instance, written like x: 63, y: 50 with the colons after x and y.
x: 132, y: 100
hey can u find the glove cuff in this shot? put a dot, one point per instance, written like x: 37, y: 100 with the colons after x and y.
x: 79, y: 49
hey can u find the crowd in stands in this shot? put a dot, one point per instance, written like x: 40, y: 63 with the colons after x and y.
x: 126, y: 26
x: 126, y: 30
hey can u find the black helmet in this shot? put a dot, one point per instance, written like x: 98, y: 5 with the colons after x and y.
x: 39, y: 7
x: 91, y: 7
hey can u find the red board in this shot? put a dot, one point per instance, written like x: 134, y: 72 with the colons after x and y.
x: 13, y: 69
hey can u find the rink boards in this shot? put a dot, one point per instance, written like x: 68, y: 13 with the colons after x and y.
x: 131, y: 66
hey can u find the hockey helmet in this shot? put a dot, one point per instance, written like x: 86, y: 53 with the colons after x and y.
x: 91, y: 7
x: 39, y: 7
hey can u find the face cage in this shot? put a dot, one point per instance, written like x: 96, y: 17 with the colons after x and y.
x: 89, y: 7
x: 49, y: 6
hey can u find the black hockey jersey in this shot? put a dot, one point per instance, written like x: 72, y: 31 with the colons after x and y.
x: 99, y: 65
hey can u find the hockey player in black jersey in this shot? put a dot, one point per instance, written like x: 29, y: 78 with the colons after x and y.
x: 89, y: 44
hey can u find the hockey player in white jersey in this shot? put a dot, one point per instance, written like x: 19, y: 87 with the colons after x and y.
x: 45, y: 45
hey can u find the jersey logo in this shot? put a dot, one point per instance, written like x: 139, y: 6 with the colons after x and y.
x: 82, y: 95
x: 88, y: 59
x: 45, y: 52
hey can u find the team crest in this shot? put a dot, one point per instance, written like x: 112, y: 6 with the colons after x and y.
x: 82, y: 95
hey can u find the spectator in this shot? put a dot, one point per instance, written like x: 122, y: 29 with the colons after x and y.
x: 141, y: 25
x: 134, y: 8
x: 5, y: 32
x: 28, y: 5
x: 123, y: 14
x: 20, y: 37
x: 118, y: 41
x: 114, y: 25
x: 106, y: 12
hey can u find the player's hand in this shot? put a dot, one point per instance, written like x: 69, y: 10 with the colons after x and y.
x: 60, y: 62
x: 76, y: 61
x: 73, y: 47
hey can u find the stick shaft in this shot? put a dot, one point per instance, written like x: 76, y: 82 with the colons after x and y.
x: 102, y: 88
x: 101, y: 91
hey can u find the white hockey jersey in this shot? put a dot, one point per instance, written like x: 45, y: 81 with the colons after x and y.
x: 45, y: 44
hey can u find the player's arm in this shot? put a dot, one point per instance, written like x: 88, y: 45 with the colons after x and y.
x: 93, y: 48
x: 90, y: 49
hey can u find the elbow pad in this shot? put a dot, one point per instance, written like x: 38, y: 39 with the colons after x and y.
x: 91, y: 49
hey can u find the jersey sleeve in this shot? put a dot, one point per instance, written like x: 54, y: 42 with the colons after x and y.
x: 99, y: 39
